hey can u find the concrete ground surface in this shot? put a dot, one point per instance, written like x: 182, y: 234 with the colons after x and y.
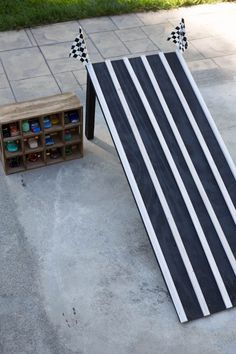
x: 77, y: 272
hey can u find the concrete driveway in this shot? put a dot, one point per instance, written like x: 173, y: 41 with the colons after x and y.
x: 77, y: 272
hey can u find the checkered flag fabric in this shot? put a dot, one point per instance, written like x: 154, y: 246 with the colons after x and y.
x: 78, y: 48
x: 179, y: 36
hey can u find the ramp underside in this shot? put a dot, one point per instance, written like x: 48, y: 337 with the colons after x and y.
x: 179, y: 174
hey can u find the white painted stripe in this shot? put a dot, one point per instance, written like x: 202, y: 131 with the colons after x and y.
x: 207, y: 114
x: 160, y: 193
x: 146, y: 219
x: 182, y: 189
x: 191, y: 167
x: 199, y: 137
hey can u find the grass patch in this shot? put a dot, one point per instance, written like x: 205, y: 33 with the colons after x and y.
x: 16, y: 14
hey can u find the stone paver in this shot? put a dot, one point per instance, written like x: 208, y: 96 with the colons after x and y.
x: 212, y: 77
x: 6, y: 96
x: 158, y: 31
x: 56, y: 33
x: 56, y: 51
x: 141, y: 46
x: 219, y: 46
x: 35, y: 87
x: 64, y: 65
x: 31, y: 37
x: 24, y: 63
x: 67, y: 81
x: 227, y: 62
x: 126, y: 21
x: 3, y: 81
x: 81, y: 76
x: 1, y: 68
x: 100, y: 24
x: 13, y: 40
x: 222, y: 94
x: 131, y: 34
x: 153, y: 18
x: 227, y: 28
x: 109, y: 44
x: 202, y: 65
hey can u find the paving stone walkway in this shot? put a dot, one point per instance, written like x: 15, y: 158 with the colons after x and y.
x: 34, y: 62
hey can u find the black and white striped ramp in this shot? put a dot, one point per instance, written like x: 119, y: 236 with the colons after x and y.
x: 181, y: 175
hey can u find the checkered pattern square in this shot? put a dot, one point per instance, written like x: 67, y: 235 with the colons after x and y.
x: 179, y: 36
x: 78, y: 48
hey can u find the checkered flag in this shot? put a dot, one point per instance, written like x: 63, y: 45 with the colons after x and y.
x: 78, y: 48
x: 179, y: 36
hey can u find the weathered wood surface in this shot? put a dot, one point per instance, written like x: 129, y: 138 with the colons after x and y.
x: 39, y: 107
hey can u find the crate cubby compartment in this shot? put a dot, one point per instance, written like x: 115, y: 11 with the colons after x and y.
x: 72, y: 135
x: 33, y: 144
x: 41, y: 132
x: 53, y: 122
x: 11, y: 131
x: 12, y: 147
x: 32, y: 127
x: 71, y: 118
x: 54, y: 155
x: 73, y: 151
x: 34, y: 159
x: 14, y: 164
x: 54, y: 139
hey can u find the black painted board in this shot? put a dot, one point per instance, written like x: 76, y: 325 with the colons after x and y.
x: 195, y: 151
x: 171, y: 191
x: 218, y: 252
x: 203, y: 124
x: 90, y: 109
x: 149, y: 196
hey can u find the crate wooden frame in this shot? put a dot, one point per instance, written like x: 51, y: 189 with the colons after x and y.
x: 38, y: 109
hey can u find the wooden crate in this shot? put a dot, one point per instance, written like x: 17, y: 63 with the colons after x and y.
x: 65, y: 134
